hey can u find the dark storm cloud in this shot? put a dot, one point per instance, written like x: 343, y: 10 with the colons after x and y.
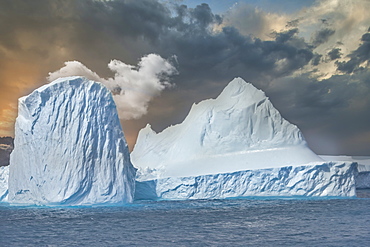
x: 322, y: 36
x: 125, y: 18
x: 357, y: 57
x: 335, y: 54
x: 45, y: 34
x: 223, y: 53
x: 316, y: 59
x: 283, y: 37
x: 39, y: 36
x: 293, y: 23
x: 308, y: 94
x: 204, y: 16
x: 329, y: 112
x: 84, y: 30
x: 324, y: 21
x: 95, y: 31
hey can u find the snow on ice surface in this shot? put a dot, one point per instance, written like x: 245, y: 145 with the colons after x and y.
x: 363, y: 161
x: 69, y: 147
x: 239, y: 130
x: 326, y: 179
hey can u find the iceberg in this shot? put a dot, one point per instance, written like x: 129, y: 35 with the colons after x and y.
x: 69, y: 147
x: 329, y: 179
x: 239, y: 130
x: 235, y: 145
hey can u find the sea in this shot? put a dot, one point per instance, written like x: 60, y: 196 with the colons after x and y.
x: 230, y: 222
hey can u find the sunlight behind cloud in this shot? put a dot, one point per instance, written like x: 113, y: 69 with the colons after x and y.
x: 250, y: 20
x: 348, y: 20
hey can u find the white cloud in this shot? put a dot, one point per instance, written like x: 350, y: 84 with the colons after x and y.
x: 133, y: 87
x: 74, y: 68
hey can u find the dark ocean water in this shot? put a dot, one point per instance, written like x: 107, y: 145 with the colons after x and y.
x: 237, y: 222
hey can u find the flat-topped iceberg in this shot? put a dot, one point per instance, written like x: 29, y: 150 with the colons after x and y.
x: 235, y: 145
x: 326, y: 179
x: 69, y: 147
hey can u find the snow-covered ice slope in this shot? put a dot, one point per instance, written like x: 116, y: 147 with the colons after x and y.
x: 326, y: 179
x: 69, y: 147
x: 239, y: 130
x: 4, y: 175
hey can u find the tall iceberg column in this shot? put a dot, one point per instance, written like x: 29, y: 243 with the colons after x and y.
x: 69, y: 147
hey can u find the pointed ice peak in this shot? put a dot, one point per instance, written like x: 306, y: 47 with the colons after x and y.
x: 238, y: 88
x: 147, y: 130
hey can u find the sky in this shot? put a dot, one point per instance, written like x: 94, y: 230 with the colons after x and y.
x: 312, y: 58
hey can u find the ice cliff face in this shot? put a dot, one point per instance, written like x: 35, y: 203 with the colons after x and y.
x: 363, y: 168
x: 4, y: 175
x: 69, y: 147
x: 325, y: 179
x: 239, y: 130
